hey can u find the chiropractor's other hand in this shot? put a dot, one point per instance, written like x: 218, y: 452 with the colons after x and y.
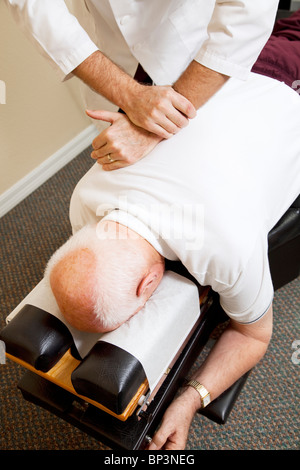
x: 158, y: 109
x: 121, y: 144
x: 176, y: 422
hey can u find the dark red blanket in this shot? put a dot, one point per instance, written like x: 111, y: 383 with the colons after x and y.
x: 280, y: 58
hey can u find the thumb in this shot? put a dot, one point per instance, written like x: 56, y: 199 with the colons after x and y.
x: 103, y: 115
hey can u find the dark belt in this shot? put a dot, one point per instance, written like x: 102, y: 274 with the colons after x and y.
x: 142, y: 77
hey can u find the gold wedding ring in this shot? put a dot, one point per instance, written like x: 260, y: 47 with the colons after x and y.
x: 110, y: 159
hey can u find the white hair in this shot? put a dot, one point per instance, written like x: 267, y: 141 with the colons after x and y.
x: 82, y: 239
x: 119, y: 268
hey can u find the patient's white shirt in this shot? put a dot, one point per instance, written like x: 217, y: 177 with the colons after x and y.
x: 209, y: 195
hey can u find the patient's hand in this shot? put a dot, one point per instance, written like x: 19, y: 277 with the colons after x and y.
x: 173, y: 432
x: 123, y: 142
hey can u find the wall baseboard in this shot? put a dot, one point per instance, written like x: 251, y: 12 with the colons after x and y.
x: 19, y: 191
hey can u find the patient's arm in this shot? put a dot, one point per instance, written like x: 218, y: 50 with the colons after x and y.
x: 238, y: 349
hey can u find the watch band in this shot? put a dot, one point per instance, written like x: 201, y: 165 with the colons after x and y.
x: 204, y: 394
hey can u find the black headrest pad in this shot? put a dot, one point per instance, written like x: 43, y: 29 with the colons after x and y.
x: 36, y: 337
x: 110, y: 375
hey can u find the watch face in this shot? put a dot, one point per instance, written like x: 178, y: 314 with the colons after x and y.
x: 206, y: 400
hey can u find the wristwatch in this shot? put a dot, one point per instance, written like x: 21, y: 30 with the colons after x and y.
x: 204, y: 394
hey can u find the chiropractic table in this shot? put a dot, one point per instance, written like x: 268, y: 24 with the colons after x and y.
x: 115, y: 386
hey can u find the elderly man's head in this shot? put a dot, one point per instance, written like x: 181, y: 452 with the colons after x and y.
x: 103, y: 275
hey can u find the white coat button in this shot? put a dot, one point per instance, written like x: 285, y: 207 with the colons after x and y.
x: 137, y: 47
x: 124, y: 20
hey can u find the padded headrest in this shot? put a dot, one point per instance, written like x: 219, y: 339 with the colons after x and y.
x: 113, y: 365
x: 111, y: 373
x: 108, y: 375
x: 36, y: 337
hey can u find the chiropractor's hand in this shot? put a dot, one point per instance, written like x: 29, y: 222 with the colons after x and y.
x: 158, y: 109
x: 121, y: 144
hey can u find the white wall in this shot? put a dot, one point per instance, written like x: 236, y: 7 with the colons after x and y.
x: 40, y: 117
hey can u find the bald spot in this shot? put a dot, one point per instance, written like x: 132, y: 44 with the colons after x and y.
x: 71, y: 281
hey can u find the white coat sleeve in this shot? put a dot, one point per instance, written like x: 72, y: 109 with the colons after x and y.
x: 237, y: 32
x: 55, y: 32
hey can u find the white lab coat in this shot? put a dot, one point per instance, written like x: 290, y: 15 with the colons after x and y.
x: 164, y: 36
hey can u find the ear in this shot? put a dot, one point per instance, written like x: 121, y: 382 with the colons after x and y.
x: 150, y: 282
